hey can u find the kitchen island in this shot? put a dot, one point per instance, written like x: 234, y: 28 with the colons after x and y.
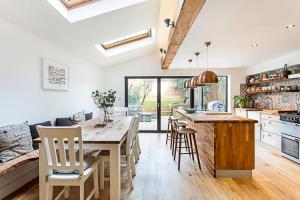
x: 225, y: 143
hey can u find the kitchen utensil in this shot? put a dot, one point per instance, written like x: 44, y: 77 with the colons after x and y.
x: 285, y: 72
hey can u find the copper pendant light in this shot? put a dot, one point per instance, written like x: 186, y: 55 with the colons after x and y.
x: 198, y: 78
x: 186, y: 84
x: 208, y: 77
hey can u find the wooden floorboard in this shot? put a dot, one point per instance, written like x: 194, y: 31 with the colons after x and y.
x: 157, y: 178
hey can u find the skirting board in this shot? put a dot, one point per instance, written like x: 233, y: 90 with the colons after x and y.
x: 233, y: 173
x: 16, y: 179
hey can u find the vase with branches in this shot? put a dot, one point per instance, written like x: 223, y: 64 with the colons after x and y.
x: 104, y: 100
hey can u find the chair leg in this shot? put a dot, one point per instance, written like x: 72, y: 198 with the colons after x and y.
x: 101, y: 171
x: 129, y: 174
x: 136, y: 153
x: 132, y: 164
x: 96, y: 183
x: 196, y: 149
x: 179, y: 152
x: 67, y: 192
x: 191, y: 145
x: 175, y: 147
x: 168, y: 132
x: 187, y: 145
x: 49, y: 192
x: 81, y: 188
x: 138, y: 144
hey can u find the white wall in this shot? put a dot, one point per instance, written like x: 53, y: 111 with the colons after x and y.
x: 275, y: 63
x: 150, y: 66
x: 22, y: 97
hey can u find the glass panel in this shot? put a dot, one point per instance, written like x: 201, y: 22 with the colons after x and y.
x: 290, y: 147
x: 142, y: 97
x: 212, y: 96
x: 173, y: 95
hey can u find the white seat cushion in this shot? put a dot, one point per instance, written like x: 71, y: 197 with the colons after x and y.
x: 89, y: 161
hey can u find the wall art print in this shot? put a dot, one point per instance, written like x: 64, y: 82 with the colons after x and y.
x: 55, y: 75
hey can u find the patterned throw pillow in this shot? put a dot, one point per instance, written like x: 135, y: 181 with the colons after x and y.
x: 15, y: 140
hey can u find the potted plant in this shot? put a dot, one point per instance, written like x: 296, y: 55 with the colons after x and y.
x: 104, y: 100
x: 241, y: 100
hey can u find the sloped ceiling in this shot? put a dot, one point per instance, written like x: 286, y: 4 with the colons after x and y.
x: 80, y: 38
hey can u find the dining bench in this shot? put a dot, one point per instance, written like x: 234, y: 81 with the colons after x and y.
x: 17, y: 172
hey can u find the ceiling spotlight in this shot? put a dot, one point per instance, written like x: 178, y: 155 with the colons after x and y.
x: 254, y: 44
x: 162, y: 51
x: 169, y: 23
x: 290, y: 26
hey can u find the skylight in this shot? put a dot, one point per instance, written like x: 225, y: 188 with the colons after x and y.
x: 127, y: 43
x: 70, y: 4
x: 77, y: 10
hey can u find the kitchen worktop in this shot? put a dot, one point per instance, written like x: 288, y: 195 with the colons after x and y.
x: 202, y: 117
x: 225, y: 142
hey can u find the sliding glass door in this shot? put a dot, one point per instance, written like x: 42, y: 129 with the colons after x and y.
x: 173, y: 96
x: 156, y: 98
x: 142, y: 98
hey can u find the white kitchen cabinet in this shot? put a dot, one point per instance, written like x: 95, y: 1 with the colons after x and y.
x: 270, y: 130
x: 256, y: 116
x: 271, y: 139
x: 241, y: 112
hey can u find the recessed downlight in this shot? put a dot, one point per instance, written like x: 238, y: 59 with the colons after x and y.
x: 254, y: 45
x: 290, y: 26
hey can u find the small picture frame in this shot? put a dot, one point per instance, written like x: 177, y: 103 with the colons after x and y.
x: 55, y: 75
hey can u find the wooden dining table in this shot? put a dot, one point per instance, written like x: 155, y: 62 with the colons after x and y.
x: 109, y: 138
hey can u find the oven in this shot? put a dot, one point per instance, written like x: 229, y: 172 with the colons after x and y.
x: 290, y: 141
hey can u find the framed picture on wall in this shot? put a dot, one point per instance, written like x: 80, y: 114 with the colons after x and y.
x: 55, y: 75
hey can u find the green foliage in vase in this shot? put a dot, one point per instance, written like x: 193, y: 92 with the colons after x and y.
x: 104, y: 100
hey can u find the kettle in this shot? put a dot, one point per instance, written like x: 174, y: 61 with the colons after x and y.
x: 285, y: 72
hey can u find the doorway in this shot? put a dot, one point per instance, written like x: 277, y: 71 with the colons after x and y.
x: 155, y: 98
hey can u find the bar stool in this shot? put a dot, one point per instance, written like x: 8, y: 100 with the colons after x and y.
x: 186, y: 135
x: 169, y: 130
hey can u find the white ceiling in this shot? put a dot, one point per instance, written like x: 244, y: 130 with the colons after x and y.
x: 80, y: 38
x: 233, y: 25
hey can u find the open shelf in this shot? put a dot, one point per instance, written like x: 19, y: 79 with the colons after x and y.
x: 271, y: 91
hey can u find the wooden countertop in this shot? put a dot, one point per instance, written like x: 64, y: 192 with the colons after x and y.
x: 249, y: 109
x: 203, y: 118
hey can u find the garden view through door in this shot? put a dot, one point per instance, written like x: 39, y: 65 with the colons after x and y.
x: 155, y: 99
x: 173, y: 96
x: 142, y: 99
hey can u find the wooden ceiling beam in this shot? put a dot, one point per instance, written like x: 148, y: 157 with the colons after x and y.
x: 188, y: 14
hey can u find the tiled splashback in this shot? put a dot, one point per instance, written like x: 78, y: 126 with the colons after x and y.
x: 278, y: 100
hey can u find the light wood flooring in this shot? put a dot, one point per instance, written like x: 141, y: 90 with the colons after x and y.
x: 158, y: 179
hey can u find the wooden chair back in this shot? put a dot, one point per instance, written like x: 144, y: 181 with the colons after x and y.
x: 60, y: 146
x: 130, y: 135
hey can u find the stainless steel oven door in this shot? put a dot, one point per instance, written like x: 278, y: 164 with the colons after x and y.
x: 290, y: 147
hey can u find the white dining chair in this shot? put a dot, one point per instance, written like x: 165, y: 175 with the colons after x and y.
x: 127, y: 158
x: 66, y: 164
x: 136, y: 142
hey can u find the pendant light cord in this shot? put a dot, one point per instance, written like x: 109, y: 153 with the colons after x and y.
x: 207, y: 58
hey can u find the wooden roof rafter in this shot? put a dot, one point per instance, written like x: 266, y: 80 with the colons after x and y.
x: 188, y: 14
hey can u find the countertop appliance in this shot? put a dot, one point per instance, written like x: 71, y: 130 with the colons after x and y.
x: 290, y: 136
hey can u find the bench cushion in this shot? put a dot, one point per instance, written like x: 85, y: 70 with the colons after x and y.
x: 88, y: 116
x: 63, y: 122
x: 15, y: 140
x: 34, y: 132
x: 11, y: 165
